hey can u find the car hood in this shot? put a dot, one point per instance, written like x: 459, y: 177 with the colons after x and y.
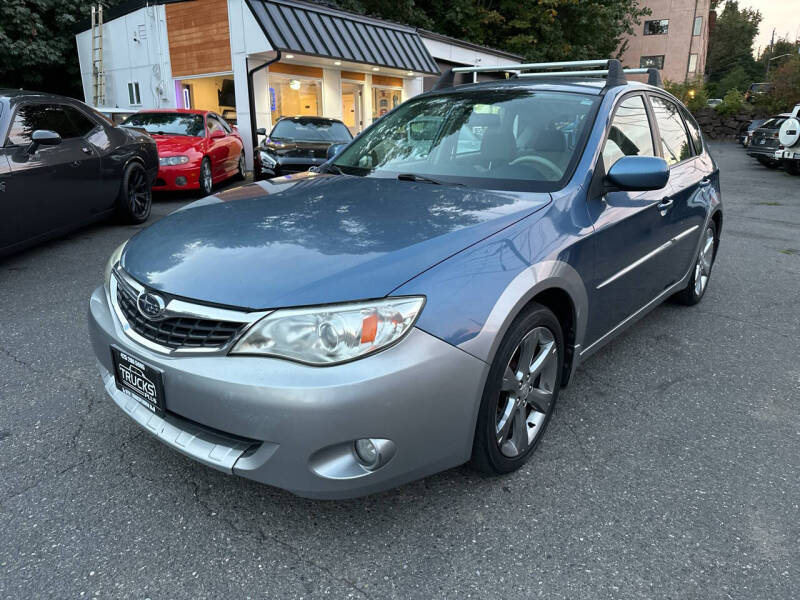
x: 175, y: 144
x: 315, y: 239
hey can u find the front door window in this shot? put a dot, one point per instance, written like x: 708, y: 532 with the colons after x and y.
x: 293, y: 96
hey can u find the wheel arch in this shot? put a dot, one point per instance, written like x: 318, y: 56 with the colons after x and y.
x: 554, y: 284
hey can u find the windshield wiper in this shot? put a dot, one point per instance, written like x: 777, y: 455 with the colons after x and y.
x: 335, y: 169
x: 422, y: 179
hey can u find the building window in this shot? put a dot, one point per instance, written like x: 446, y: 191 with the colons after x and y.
x: 134, y: 98
x: 293, y: 96
x: 657, y: 27
x: 698, y: 26
x: 692, y: 63
x: 647, y: 62
x: 384, y: 100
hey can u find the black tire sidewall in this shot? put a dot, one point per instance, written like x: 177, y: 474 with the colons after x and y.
x: 203, y: 190
x: 123, y: 205
x: 486, y: 455
x: 690, y: 297
x: 242, y: 170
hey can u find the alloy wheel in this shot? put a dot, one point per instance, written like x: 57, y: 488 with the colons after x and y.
x: 138, y: 192
x: 526, y: 392
x: 242, y: 166
x: 205, y: 177
x: 702, y: 270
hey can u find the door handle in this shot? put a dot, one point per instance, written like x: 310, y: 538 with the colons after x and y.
x: 86, y: 150
x: 665, y: 205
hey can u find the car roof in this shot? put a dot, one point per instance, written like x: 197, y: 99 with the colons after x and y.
x: 309, y: 119
x: 187, y: 111
x: 10, y: 94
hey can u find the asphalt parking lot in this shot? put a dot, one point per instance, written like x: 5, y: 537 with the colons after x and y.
x: 671, y: 468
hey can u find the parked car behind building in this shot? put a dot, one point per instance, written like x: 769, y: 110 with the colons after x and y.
x: 297, y: 144
x: 63, y: 165
x: 196, y: 148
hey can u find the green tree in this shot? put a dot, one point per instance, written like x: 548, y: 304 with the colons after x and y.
x: 534, y: 29
x: 37, y: 43
x: 737, y: 78
x: 731, y: 42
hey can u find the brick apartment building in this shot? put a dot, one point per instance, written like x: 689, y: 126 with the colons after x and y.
x: 674, y: 38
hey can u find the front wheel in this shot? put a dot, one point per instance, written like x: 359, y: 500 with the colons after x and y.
x: 520, y: 392
x: 135, y: 199
x: 241, y: 171
x: 701, y: 274
x: 206, y: 179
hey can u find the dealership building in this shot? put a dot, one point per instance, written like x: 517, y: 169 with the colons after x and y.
x: 280, y: 57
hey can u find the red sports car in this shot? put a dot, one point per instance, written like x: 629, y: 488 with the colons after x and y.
x: 196, y: 148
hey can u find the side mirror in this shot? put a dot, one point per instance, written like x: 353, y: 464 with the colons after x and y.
x: 638, y: 173
x: 261, y: 131
x: 43, y: 137
x: 333, y: 150
x: 217, y: 134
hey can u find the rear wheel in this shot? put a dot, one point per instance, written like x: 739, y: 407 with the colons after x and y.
x: 770, y: 164
x: 206, y: 179
x: 135, y: 198
x: 698, y: 283
x: 520, y: 392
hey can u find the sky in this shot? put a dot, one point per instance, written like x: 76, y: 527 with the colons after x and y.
x: 781, y: 15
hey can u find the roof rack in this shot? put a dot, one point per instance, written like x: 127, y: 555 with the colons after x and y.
x: 614, y: 73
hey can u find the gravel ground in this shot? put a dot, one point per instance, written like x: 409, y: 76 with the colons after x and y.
x: 671, y: 468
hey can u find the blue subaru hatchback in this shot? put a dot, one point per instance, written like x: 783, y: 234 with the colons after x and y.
x: 418, y: 302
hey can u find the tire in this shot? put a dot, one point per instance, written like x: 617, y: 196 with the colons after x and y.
x: 701, y: 273
x: 135, y: 199
x: 241, y: 172
x: 770, y: 164
x: 206, y: 178
x: 792, y: 167
x: 516, y: 407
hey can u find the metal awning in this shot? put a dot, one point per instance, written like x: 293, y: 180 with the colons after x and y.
x: 321, y: 31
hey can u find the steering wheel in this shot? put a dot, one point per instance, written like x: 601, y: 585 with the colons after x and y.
x: 538, y: 160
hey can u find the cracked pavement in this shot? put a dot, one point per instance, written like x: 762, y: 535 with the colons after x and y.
x: 671, y: 468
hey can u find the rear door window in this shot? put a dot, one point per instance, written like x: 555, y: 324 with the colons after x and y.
x: 630, y: 133
x: 674, y: 139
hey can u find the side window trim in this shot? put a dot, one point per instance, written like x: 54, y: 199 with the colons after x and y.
x: 650, y: 118
x: 685, y: 128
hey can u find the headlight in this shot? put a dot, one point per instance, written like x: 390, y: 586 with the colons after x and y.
x: 112, y: 262
x: 266, y: 159
x: 327, y: 335
x: 169, y: 161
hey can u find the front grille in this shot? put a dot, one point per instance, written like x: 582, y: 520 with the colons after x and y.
x: 176, y: 332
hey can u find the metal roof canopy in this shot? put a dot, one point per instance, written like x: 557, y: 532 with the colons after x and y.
x: 317, y: 30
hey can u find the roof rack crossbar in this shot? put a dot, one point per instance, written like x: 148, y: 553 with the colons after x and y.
x: 532, y: 66
x: 589, y: 73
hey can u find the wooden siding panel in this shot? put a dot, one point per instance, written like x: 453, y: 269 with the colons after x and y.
x: 199, y: 37
x: 289, y: 69
x: 387, y: 81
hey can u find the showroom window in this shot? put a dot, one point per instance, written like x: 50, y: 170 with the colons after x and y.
x: 657, y: 27
x: 384, y: 100
x: 647, y: 62
x: 292, y: 96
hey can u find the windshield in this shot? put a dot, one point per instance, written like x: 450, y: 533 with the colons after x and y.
x: 310, y: 131
x: 167, y: 123
x: 513, y: 138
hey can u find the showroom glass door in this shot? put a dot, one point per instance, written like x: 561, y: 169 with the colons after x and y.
x: 352, y: 107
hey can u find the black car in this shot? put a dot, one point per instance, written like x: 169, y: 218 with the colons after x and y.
x: 765, y: 145
x: 296, y: 144
x: 63, y: 164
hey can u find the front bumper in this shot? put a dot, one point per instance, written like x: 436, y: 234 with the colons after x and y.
x: 178, y: 177
x: 292, y: 425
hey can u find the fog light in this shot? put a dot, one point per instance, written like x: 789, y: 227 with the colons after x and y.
x: 367, y: 452
x: 180, y: 180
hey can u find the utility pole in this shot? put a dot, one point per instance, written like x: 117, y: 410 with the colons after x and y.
x: 771, y: 46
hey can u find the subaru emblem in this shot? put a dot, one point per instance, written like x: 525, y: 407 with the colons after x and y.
x: 150, y: 305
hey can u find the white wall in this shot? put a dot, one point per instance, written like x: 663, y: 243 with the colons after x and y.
x: 247, y: 39
x: 467, y: 56
x: 135, y: 48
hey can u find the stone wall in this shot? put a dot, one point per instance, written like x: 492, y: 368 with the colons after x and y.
x: 717, y: 127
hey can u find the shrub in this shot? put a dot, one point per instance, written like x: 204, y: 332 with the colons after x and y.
x: 732, y: 103
x: 692, y: 93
